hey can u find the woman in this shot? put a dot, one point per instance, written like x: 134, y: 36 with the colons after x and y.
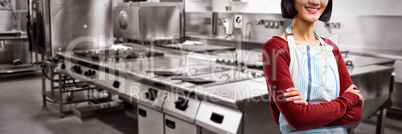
x: 310, y: 88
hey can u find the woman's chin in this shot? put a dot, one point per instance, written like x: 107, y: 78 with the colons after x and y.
x: 312, y: 19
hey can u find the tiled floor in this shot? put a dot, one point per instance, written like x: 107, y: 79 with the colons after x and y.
x: 21, y: 111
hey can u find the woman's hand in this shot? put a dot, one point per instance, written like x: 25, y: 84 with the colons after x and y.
x: 292, y: 94
x: 353, y: 89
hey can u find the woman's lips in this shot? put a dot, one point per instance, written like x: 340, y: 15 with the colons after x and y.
x: 312, y: 10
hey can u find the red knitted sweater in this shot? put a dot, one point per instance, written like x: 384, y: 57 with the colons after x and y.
x: 346, y: 109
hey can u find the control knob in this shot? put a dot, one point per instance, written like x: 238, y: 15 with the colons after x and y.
x: 181, y: 104
x: 151, y: 94
x: 76, y: 69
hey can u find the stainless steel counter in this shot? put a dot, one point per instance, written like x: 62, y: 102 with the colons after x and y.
x: 361, y: 61
x: 366, y: 52
x: 374, y: 83
x: 221, y: 38
x: 142, y: 70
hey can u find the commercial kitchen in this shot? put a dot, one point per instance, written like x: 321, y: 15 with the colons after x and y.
x: 177, y: 66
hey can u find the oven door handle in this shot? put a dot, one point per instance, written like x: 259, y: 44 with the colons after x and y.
x: 170, y: 124
x: 142, y: 112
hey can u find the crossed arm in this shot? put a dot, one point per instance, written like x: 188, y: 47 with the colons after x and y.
x: 352, y: 114
x: 345, y: 109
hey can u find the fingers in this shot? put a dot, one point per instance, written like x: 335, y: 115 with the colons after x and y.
x: 292, y: 89
x: 350, y: 88
x: 292, y: 92
x: 301, y: 102
x: 293, y: 98
x: 357, y: 92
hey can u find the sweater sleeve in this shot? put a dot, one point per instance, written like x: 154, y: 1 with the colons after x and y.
x: 352, y: 115
x: 276, y: 70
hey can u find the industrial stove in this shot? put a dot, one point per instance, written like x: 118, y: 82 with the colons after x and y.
x: 184, y: 92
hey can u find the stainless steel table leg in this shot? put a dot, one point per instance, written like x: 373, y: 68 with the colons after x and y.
x: 61, y: 97
x: 44, y: 90
x: 381, y: 121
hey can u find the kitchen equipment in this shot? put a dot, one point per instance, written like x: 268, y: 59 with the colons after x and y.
x: 144, y: 21
x: 397, y: 89
x: 235, y: 102
x: 118, y: 54
x: 180, y: 112
x: 374, y: 84
x: 245, y: 104
x: 149, y: 121
x: 60, y: 25
x: 150, y: 116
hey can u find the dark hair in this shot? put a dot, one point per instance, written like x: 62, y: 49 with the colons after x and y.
x: 289, y: 11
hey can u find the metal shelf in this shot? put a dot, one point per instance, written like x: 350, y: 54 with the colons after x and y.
x: 6, y: 69
x: 64, y: 81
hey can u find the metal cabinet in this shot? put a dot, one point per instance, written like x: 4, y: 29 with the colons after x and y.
x: 149, y: 121
x: 150, y: 116
x: 218, y: 119
x: 180, y: 112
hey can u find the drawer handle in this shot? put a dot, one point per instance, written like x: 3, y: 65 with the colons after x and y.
x: 217, y: 118
x: 142, y: 112
x: 170, y: 124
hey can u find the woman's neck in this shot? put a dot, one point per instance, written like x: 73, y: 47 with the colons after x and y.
x: 303, y: 31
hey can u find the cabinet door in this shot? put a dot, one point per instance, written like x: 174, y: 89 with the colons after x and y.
x: 177, y: 126
x: 149, y: 121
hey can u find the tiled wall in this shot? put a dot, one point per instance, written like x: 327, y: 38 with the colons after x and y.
x: 377, y: 32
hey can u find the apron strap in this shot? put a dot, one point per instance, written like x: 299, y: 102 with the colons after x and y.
x: 289, y: 35
x: 320, y: 39
x: 291, y: 41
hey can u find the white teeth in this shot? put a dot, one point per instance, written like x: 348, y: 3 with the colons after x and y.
x: 311, y: 9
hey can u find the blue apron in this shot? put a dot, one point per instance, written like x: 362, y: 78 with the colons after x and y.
x: 314, y: 72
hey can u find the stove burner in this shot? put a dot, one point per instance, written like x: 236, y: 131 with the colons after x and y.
x: 118, y: 54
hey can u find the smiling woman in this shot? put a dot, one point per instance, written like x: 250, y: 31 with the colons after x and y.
x: 310, y: 88
x: 321, y: 11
